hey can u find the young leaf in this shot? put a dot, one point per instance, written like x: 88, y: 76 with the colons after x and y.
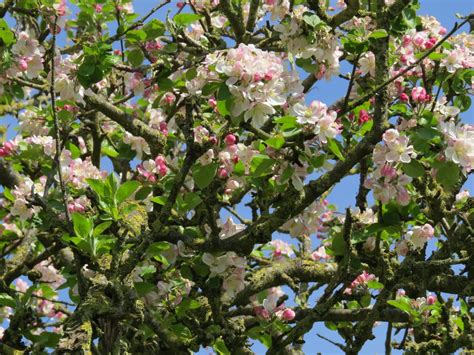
x: 203, y: 175
x: 186, y: 19
x: 82, y: 225
x: 126, y: 190
x: 220, y: 348
x: 333, y: 146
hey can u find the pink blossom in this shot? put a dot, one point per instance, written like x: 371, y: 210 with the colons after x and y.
x: 364, y: 116
x: 288, y: 314
x: 404, y: 97
x: 402, y: 247
x: 320, y: 254
x: 362, y: 279
x: 6, y: 149
x: 230, y: 139
x: 21, y: 285
x: 431, y: 299
x: 222, y: 173
x: 280, y: 249
x: 419, y: 95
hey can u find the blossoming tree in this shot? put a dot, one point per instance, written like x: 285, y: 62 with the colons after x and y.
x: 169, y: 184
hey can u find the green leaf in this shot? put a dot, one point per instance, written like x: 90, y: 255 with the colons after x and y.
x: 186, y: 305
x: 437, y: 56
x: 97, y: 186
x: 161, y: 200
x: 143, y: 193
x: 409, y: 16
x: 463, y: 102
x: 414, y: 169
x: 186, y: 19
x: 374, y: 284
x: 7, y: 300
x: 157, y: 247
x: 261, y: 165
x: 223, y: 107
x: 210, y: 88
x: 153, y: 29
x: 307, y: 65
x: 338, y: 246
x: 74, y: 149
x: 402, y: 304
x: 203, y: 175
x: 8, y: 194
x: 161, y: 259
x: 82, y: 225
x: 275, y: 142
x: 191, y: 201
x: 333, y: 146
x: 108, y: 150
x: 126, y: 190
x: 101, y: 228
x: 448, y: 175
x: 87, y: 68
x: 144, y: 287
x: 380, y: 33
x: 135, y: 57
x: 165, y: 84
x: 312, y: 19
x: 220, y: 348
x: 134, y: 36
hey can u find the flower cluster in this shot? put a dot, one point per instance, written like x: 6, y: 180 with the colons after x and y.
x: 150, y: 168
x: 323, y: 45
x: 387, y: 181
x: 271, y: 306
x: 231, y: 267
x: 460, y: 143
x: 360, y: 280
x: 318, y: 119
x: 417, y: 238
x: 76, y: 171
x: 280, y: 250
x: 257, y: 80
x: 28, y: 55
x: 310, y: 221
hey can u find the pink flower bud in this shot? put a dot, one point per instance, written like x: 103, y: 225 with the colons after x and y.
x: 257, y: 77
x: 23, y: 64
x: 164, y: 128
x: 431, y: 299
x: 213, y: 140
x: 169, y: 98
x: 222, y: 173
x: 288, y: 314
x: 6, y: 149
x: 418, y: 94
x: 180, y: 4
x: 230, y: 139
x: 363, y: 116
x: 98, y: 8
x: 404, y: 97
x: 406, y: 40
x: 268, y: 76
x: 212, y: 102
x: 117, y: 52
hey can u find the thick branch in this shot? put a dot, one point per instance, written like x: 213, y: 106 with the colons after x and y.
x: 301, y: 270
x: 136, y: 127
